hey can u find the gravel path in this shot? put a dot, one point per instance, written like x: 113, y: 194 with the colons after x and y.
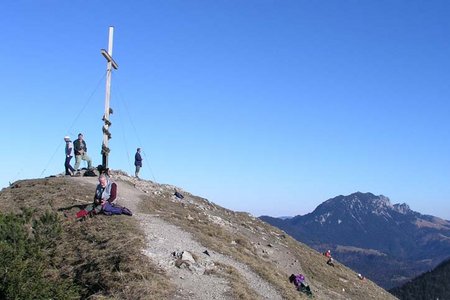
x: 201, y: 276
x: 163, y: 239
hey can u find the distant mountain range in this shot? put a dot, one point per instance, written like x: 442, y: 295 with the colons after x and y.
x: 389, y: 244
x: 430, y: 285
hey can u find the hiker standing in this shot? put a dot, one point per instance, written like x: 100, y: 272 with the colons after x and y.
x: 69, y: 154
x: 137, y: 162
x: 105, y: 195
x: 81, y: 152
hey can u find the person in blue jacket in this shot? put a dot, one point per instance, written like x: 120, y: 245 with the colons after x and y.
x: 137, y: 162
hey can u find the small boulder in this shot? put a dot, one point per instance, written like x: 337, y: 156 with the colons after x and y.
x: 186, y: 256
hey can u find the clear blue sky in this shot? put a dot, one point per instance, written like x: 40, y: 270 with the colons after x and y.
x: 267, y: 106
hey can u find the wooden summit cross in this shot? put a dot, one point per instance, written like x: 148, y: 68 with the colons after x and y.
x: 110, y: 64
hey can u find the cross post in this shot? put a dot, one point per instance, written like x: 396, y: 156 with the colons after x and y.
x: 110, y: 64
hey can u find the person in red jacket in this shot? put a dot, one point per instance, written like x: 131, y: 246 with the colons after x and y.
x: 330, y: 259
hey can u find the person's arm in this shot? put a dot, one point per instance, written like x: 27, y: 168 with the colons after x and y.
x: 113, y: 194
x: 97, y: 198
x: 75, y: 147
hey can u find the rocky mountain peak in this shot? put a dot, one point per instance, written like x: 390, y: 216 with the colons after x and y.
x: 389, y: 242
x: 402, y: 208
x: 370, y: 199
x: 356, y: 203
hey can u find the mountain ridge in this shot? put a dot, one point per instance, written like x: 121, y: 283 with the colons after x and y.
x: 429, y: 285
x: 407, y: 241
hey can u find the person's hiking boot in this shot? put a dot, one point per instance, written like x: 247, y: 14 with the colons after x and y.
x: 126, y: 211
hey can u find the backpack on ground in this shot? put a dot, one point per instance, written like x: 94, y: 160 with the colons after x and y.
x: 90, y: 173
x: 300, y: 283
x: 304, y: 288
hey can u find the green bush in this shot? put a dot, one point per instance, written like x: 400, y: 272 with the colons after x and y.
x: 26, y: 250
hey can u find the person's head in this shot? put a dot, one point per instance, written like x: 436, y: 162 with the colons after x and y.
x: 67, y: 138
x: 80, y: 136
x: 102, y: 180
x: 138, y: 149
x: 291, y: 278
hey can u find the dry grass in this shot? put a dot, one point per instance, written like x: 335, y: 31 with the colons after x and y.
x: 102, y: 255
x: 239, y: 287
x: 193, y: 219
x: 239, y: 240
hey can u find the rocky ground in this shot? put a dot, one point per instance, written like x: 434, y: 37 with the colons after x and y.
x: 167, y: 244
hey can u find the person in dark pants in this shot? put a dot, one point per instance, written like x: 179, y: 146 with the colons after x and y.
x: 69, y: 154
x: 105, y: 195
x: 137, y: 162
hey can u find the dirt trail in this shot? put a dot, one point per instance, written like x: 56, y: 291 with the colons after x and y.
x: 164, y: 238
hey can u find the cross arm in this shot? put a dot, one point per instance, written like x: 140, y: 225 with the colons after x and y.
x: 109, y: 58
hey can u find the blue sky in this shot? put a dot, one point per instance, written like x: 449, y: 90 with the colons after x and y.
x: 270, y: 107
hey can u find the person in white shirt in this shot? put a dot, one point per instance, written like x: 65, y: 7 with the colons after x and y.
x: 69, y: 154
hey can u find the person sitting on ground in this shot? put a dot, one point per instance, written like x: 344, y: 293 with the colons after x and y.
x: 330, y: 259
x: 105, y: 195
x: 330, y: 262
x: 300, y: 283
